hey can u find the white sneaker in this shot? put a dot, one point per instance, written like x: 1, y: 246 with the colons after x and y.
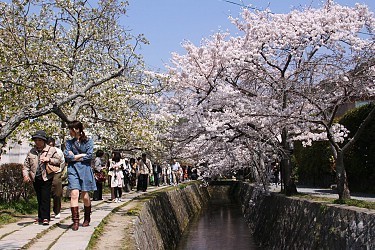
x: 57, y: 216
x: 119, y: 200
x: 116, y: 200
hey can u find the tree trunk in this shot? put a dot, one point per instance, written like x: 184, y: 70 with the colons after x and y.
x: 286, y: 167
x: 261, y: 173
x: 342, y: 181
x: 289, y: 185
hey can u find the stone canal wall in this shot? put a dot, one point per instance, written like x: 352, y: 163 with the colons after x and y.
x: 164, y: 216
x: 277, y: 222
x: 280, y: 222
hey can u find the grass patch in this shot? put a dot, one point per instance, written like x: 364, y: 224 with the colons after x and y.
x: 315, y: 198
x: 133, y: 212
x: 356, y: 203
x: 99, y: 230
x: 11, y: 212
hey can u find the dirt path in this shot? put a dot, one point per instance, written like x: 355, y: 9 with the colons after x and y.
x: 117, y: 230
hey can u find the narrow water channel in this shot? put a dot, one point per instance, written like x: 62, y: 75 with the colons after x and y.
x: 220, y: 226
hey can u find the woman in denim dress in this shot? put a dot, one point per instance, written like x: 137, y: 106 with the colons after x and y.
x: 78, y: 153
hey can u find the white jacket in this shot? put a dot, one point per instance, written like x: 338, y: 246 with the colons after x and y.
x: 117, y: 179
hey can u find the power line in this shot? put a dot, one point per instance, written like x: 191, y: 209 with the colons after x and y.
x: 242, y: 5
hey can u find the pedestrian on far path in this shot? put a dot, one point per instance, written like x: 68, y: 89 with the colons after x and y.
x: 34, y: 170
x: 276, y: 173
x: 157, y: 172
x: 98, y: 168
x: 115, y: 161
x: 133, y: 171
x: 127, y: 174
x: 145, y: 168
x: 117, y: 181
x: 175, y: 172
x: 78, y: 153
x: 57, y: 190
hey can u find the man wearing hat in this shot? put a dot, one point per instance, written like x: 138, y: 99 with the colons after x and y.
x: 34, y: 170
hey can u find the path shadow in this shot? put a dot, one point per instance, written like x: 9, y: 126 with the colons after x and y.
x: 325, y: 191
x: 63, y: 226
x: 25, y: 219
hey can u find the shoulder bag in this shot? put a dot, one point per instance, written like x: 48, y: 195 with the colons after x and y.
x: 52, y: 168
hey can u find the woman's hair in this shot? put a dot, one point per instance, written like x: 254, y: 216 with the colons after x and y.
x: 78, y: 125
x: 116, y: 156
x: 132, y: 161
x: 99, y: 153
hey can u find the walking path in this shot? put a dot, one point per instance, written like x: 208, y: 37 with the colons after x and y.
x: 326, y: 192
x: 24, y: 234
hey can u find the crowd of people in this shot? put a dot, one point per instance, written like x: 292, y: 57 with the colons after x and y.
x: 86, y: 173
x: 127, y: 174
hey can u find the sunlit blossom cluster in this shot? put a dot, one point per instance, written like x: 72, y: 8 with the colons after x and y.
x: 236, y: 95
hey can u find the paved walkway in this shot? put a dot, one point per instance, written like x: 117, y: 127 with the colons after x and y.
x: 326, y: 192
x: 24, y: 234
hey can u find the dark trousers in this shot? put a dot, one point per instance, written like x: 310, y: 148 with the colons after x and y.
x: 142, y: 182
x: 156, y: 179
x: 56, y: 193
x: 133, y: 180
x: 118, y: 192
x: 126, y: 182
x: 43, y: 195
x: 98, y: 193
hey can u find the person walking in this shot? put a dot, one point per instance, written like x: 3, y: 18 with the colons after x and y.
x: 34, y: 170
x: 169, y: 174
x: 133, y: 171
x: 127, y: 175
x: 117, y: 181
x: 276, y: 173
x: 98, y: 168
x: 57, y: 190
x: 157, y: 173
x: 116, y: 160
x: 145, y: 168
x: 175, y: 172
x: 78, y: 153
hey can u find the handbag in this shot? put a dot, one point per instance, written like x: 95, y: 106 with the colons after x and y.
x: 99, y: 176
x: 52, y: 168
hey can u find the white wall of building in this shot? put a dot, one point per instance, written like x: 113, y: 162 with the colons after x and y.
x: 15, y: 153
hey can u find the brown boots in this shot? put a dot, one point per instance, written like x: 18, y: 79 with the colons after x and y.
x: 75, y: 218
x: 86, y: 221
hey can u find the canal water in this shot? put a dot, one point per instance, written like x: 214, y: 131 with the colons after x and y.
x: 220, y: 226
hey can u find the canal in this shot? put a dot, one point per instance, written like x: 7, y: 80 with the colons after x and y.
x: 219, y: 226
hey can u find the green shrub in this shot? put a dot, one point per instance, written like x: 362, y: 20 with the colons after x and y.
x: 313, y: 164
x: 12, y: 187
x: 360, y: 159
x: 21, y: 207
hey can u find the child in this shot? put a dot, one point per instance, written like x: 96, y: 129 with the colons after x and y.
x: 117, y: 181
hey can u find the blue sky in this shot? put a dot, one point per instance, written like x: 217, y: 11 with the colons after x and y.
x: 167, y: 23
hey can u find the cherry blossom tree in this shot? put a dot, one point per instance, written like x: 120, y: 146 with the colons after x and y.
x: 278, y: 80
x: 74, y: 60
